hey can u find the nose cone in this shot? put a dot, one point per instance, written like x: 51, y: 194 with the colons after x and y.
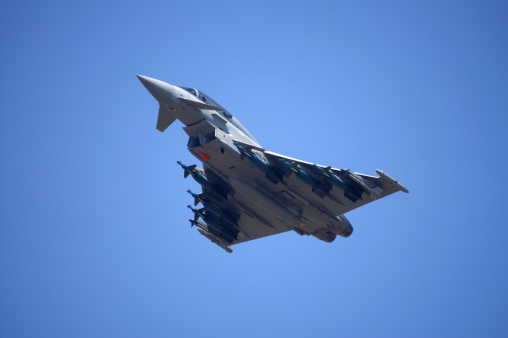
x: 162, y: 91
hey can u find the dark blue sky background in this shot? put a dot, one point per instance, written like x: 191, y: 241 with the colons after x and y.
x: 94, y: 237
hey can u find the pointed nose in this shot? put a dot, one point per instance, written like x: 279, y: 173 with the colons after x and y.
x: 160, y: 90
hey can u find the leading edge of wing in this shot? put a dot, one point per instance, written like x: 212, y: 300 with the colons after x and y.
x: 383, y: 180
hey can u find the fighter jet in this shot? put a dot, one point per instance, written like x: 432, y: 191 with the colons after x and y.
x: 249, y: 192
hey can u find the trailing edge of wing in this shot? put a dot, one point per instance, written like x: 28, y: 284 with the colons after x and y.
x: 201, y: 105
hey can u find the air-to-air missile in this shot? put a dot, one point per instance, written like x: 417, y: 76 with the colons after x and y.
x: 350, y: 192
x: 217, y: 226
x: 197, y: 198
x: 215, y: 240
x: 198, y: 213
x: 217, y: 190
x: 203, y: 230
x: 196, y: 175
x: 253, y: 158
x: 331, y: 176
x: 368, y: 190
x: 306, y: 178
x: 271, y: 172
x: 214, y: 208
x: 197, y: 223
x: 302, y: 174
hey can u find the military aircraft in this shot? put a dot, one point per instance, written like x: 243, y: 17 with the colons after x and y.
x: 249, y: 192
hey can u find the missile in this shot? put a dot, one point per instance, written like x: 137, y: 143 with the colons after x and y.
x: 333, y: 178
x: 243, y: 151
x: 349, y: 191
x: 215, y: 240
x: 289, y: 166
x: 198, y: 213
x: 220, y: 213
x: 362, y: 184
x: 253, y: 158
x: 324, y: 172
x: 222, y: 230
x: 197, y: 198
x: 187, y: 169
x: 317, y: 187
x: 214, y: 208
x: 270, y: 172
x: 196, y: 175
x: 391, y: 180
x: 198, y: 224
x: 302, y: 174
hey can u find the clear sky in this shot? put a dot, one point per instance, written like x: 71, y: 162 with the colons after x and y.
x: 94, y: 237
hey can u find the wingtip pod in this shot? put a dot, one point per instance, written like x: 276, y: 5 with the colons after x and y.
x: 392, y: 180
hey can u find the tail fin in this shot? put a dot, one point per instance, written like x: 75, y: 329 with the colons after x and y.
x: 165, y: 119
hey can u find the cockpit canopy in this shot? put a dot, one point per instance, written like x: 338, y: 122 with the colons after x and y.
x: 207, y: 99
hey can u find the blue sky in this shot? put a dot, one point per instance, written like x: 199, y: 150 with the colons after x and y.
x: 94, y: 237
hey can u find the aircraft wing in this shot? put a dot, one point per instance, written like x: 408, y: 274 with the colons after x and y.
x: 336, y: 190
x: 299, y: 190
x: 246, y: 223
